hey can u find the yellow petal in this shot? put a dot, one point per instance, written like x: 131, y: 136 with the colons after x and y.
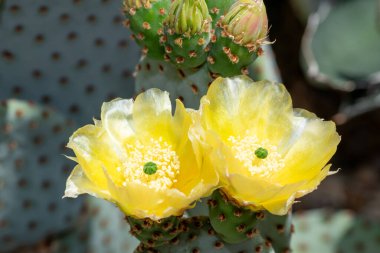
x: 152, y: 115
x: 312, y: 146
x: 139, y: 200
x: 94, y: 151
x: 233, y: 106
x: 115, y: 117
x: 78, y: 183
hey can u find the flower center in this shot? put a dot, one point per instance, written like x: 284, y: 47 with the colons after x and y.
x: 259, y: 157
x: 154, y: 163
x: 150, y: 168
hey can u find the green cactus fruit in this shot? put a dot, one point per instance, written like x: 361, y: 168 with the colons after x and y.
x: 33, y: 174
x: 145, y: 18
x: 187, y: 33
x: 218, y: 8
x: 238, y: 38
x: 78, y: 55
x: 199, y: 236
x: 233, y: 223
x: 277, y: 231
x: 188, y: 85
x: 154, y: 233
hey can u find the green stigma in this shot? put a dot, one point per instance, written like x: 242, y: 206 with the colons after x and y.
x: 150, y: 168
x: 261, y: 153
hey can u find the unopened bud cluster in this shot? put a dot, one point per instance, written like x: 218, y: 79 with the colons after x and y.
x: 225, y: 35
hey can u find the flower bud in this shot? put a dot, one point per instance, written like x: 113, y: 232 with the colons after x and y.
x: 246, y: 22
x: 189, y: 17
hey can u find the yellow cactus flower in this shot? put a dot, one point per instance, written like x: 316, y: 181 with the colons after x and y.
x: 267, y: 153
x: 139, y: 156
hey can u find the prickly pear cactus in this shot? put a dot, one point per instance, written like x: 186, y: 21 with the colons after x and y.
x: 187, y: 85
x: 362, y: 236
x: 321, y: 231
x: 342, y: 65
x: 199, y: 236
x: 154, y: 234
x: 101, y: 229
x: 233, y: 223
x: 196, y: 41
x: 78, y: 54
x: 276, y: 230
x: 32, y: 174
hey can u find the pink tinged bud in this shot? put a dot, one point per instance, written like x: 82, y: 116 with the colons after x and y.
x: 247, y: 22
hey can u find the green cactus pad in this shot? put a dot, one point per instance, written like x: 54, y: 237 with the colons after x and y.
x: 320, y: 230
x: 146, y: 24
x: 155, y: 233
x: 70, y: 55
x: 350, y: 62
x: 363, y: 236
x: 277, y: 231
x: 199, y: 237
x: 234, y: 224
x: 187, y: 52
x: 218, y: 8
x: 33, y: 174
x: 188, y: 85
x: 226, y: 58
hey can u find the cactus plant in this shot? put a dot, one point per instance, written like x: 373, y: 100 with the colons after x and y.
x: 329, y: 231
x: 339, y: 65
x: 78, y: 54
x: 233, y: 223
x: 199, y: 236
x: 186, y: 76
x: 344, y: 66
x: 276, y: 230
x: 31, y: 139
